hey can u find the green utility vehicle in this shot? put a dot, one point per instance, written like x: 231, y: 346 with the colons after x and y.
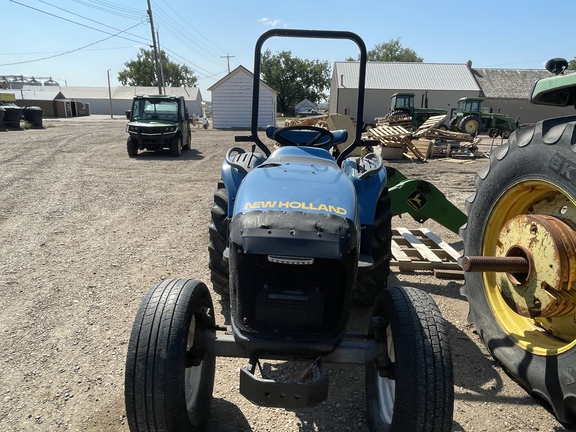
x: 520, y: 250
x: 158, y: 122
x: 402, y: 105
x: 471, y: 119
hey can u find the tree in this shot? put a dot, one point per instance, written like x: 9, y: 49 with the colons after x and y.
x: 572, y: 64
x: 295, y: 79
x: 142, y: 71
x: 391, y: 51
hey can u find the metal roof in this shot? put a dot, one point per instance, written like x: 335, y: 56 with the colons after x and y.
x: 35, y: 94
x: 120, y: 92
x: 413, y: 75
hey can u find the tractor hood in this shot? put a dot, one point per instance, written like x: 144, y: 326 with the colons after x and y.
x: 298, y: 202
x: 298, y: 179
x: 559, y: 90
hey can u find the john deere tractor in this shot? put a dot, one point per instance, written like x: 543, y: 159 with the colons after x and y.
x: 470, y: 118
x: 520, y: 251
x: 402, y: 105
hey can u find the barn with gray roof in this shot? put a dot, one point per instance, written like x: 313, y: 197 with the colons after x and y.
x: 508, y: 91
x: 438, y: 85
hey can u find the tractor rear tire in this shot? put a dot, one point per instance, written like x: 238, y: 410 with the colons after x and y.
x: 416, y: 391
x: 532, y: 174
x: 471, y: 124
x: 169, y: 372
x: 370, y: 282
x: 218, y: 232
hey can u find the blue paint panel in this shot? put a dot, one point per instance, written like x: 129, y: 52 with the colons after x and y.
x: 299, y: 179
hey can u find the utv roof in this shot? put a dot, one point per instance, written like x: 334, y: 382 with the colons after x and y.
x: 155, y: 96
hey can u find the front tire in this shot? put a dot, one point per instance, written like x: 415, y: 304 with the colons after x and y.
x: 531, y: 177
x: 493, y: 133
x: 415, y: 392
x: 188, y: 140
x: 132, y: 147
x: 176, y: 146
x: 169, y: 372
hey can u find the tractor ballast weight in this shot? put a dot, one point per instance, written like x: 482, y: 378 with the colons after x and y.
x: 296, y: 238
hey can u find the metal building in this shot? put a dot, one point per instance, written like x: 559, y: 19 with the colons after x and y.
x: 435, y: 85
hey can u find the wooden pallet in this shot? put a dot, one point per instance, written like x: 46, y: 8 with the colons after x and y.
x: 419, y: 249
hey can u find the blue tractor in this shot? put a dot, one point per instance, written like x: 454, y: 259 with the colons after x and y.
x: 297, y: 237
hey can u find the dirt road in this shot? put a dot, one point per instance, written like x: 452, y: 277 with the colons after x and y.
x: 85, y: 231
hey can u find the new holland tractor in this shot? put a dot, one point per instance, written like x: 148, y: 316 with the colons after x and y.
x: 296, y: 237
x: 520, y: 251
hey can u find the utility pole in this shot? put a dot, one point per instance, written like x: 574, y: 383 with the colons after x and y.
x: 161, y: 67
x: 157, y: 62
x: 110, y: 94
x: 228, y: 57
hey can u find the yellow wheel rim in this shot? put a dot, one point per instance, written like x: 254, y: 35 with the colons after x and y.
x: 544, y: 336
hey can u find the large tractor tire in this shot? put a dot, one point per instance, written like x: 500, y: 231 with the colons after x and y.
x: 413, y: 388
x: 471, y: 124
x: 370, y: 282
x: 218, y: 232
x: 169, y: 369
x: 525, y: 207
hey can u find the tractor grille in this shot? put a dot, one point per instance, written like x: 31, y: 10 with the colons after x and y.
x: 303, y: 302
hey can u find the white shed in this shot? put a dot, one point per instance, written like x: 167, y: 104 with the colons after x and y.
x: 232, y: 101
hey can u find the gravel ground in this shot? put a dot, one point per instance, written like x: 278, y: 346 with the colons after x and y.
x: 86, y: 231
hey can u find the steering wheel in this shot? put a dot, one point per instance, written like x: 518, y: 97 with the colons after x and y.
x: 280, y: 136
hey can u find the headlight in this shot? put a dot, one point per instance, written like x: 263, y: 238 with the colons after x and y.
x: 132, y: 128
x: 170, y: 129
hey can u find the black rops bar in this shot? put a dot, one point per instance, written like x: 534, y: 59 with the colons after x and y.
x: 319, y: 34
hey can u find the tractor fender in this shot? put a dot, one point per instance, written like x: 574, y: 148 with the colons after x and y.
x: 368, y: 188
x: 235, y: 167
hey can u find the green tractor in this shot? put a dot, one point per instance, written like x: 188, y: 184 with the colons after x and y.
x: 402, y: 105
x: 520, y: 250
x: 471, y: 119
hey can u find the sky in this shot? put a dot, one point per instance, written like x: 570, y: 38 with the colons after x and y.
x: 87, y: 42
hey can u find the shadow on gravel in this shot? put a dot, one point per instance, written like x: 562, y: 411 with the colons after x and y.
x: 449, y: 289
x: 225, y: 417
x: 164, y: 155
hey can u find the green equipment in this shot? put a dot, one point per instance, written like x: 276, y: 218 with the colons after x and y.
x: 422, y: 200
x: 402, y: 105
x: 470, y: 118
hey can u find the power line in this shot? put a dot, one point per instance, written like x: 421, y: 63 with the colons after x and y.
x: 81, y: 16
x: 77, y: 23
x: 68, y: 52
